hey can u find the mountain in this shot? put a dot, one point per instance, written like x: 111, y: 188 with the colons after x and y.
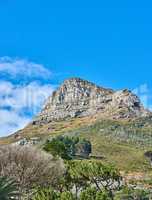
x: 116, y: 122
x: 80, y: 98
x: 77, y: 103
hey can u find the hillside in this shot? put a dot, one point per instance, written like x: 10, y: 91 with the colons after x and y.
x: 116, y: 123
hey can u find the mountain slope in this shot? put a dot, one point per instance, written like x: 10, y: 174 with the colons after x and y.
x: 116, y: 123
x: 78, y: 103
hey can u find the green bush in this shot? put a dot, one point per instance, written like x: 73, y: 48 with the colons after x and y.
x: 131, y: 194
x: 88, y: 194
x: 57, y: 148
x: 102, y: 195
x: 67, y: 196
x: 46, y: 194
x: 93, y: 194
x: 95, y: 173
x: 67, y: 147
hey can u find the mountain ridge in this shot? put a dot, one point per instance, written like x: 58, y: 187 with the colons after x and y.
x: 60, y: 115
x: 79, y: 98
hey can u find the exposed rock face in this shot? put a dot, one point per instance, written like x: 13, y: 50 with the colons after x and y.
x: 78, y: 98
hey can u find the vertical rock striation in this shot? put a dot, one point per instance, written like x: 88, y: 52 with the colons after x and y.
x: 79, y: 98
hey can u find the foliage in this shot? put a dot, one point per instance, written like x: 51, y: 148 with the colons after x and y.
x: 67, y: 196
x: 80, y: 175
x: 50, y: 194
x: 57, y: 148
x: 103, y: 195
x: 121, y: 142
x: 132, y: 194
x: 67, y: 147
x: 97, y: 173
x: 46, y: 194
x: 91, y: 180
x: 7, y: 189
x: 29, y: 167
x: 93, y: 194
x: 88, y: 194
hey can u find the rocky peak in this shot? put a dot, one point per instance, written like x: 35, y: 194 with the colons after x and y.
x: 78, y: 98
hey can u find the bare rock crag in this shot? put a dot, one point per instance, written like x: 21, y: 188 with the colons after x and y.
x: 79, y: 98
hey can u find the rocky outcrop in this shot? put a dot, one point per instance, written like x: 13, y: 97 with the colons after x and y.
x: 79, y: 98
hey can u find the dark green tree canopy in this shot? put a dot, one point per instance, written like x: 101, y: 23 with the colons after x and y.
x: 68, y: 147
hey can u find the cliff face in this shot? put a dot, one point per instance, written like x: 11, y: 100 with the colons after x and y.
x: 78, y: 98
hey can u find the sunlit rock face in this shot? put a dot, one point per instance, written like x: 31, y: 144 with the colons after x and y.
x: 79, y: 98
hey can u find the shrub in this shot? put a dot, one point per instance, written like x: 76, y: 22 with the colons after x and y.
x: 102, y: 195
x: 8, y: 189
x: 46, y: 194
x: 67, y: 196
x: 57, y: 148
x: 131, y: 194
x: 94, y: 172
x: 88, y: 194
x: 68, y: 147
x: 29, y: 167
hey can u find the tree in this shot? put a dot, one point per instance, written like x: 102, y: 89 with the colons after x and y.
x: 104, y: 177
x: 29, y: 167
x: 76, y: 182
x: 68, y: 147
x: 7, y: 189
x: 57, y: 148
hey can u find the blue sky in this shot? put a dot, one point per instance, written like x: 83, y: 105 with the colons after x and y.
x: 107, y: 42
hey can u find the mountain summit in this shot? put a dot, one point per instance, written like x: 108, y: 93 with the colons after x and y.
x: 79, y: 98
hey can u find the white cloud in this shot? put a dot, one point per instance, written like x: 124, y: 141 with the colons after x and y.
x: 19, y: 102
x: 29, y: 96
x: 11, y: 121
x: 24, y: 68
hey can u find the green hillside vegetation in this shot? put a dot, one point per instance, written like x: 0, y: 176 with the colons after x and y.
x: 101, y: 175
x: 36, y: 175
x: 120, y: 142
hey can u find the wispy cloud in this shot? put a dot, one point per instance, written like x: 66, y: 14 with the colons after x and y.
x: 20, y: 101
x: 11, y: 121
x: 18, y: 97
x: 22, y: 67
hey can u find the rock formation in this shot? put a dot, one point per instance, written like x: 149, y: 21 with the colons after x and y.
x: 79, y: 98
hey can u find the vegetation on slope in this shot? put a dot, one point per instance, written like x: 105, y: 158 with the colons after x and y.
x: 121, y: 142
x: 39, y: 176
